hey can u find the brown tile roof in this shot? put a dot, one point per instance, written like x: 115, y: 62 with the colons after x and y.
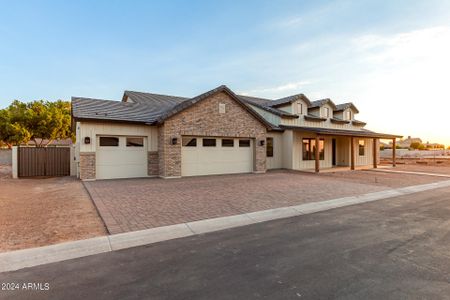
x: 341, y: 107
x: 322, y: 102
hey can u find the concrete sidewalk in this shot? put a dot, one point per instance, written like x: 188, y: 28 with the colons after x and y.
x: 15, y: 260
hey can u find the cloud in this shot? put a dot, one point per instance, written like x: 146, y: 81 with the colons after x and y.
x: 424, y: 44
x: 277, y: 90
x: 290, y: 22
x: 406, y: 76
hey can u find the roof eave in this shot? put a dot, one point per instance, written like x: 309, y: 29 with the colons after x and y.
x: 99, y: 120
x: 342, y: 132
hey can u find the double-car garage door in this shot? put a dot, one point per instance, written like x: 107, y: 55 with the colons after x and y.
x: 126, y: 156
x: 209, y: 155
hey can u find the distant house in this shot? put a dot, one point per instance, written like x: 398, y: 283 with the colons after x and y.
x: 405, y: 143
x: 217, y: 132
x: 434, y: 146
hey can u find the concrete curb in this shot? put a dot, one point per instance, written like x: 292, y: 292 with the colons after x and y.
x: 410, y: 172
x: 15, y: 260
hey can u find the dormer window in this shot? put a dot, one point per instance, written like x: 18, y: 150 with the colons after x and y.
x: 300, y: 108
x: 349, y: 114
x: 326, y: 112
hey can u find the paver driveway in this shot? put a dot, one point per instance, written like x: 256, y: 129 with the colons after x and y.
x: 135, y: 204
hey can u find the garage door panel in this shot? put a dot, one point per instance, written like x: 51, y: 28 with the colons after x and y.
x: 216, y: 160
x: 121, y: 161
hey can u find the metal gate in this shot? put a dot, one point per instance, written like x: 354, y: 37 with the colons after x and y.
x: 35, y: 161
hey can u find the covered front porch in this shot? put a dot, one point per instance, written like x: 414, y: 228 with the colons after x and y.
x: 325, y: 149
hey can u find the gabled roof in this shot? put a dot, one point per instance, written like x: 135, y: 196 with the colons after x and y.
x: 322, y: 102
x: 223, y: 88
x: 288, y: 100
x: 343, y: 106
x: 260, y: 104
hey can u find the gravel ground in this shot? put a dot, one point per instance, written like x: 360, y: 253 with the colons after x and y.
x: 439, y: 166
x: 387, y: 180
x: 38, y: 212
x: 5, y: 171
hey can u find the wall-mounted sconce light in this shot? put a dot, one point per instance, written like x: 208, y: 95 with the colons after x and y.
x: 87, y: 140
x: 174, y: 141
x: 261, y: 142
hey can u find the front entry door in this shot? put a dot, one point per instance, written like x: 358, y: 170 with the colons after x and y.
x: 334, y: 152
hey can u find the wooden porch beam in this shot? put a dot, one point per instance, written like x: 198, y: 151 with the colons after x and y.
x: 394, y: 154
x: 352, y: 153
x: 317, y: 154
x: 374, y: 153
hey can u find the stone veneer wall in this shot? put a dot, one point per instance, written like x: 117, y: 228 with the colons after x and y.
x: 204, y: 119
x: 153, y: 163
x: 87, y: 165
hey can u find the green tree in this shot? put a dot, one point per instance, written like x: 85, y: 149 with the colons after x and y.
x: 415, y: 145
x: 48, y: 121
x: 40, y: 121
x: 12, y: 132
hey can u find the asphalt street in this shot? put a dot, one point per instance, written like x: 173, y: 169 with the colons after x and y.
x: 397, y: 248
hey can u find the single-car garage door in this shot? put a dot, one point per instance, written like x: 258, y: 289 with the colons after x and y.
x: 207, y: 156
x: 121, y: 157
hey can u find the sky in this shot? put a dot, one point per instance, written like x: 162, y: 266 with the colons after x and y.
x: 390, y: 58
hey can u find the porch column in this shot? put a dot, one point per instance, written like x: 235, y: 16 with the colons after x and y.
x: 374, y: 153
x: 394, y: 154
x: 317, y: 154
x: 352, y: 153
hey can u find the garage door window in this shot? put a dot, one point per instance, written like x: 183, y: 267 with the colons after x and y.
x: 189, y: 142
x: 227, y: 143
x: 244, y: 143
x: 135, y: 142
x: 109, y: 141
x: 209, y: 142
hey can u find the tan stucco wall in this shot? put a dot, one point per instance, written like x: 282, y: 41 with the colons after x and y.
x: 94, y: 129
x: 276, y: 162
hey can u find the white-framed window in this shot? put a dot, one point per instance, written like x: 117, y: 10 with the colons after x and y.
x: 326, y: 112
x: 349, y: 114
x: 269, y: 147
x: 362, y: 147
x: 300, y: 108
